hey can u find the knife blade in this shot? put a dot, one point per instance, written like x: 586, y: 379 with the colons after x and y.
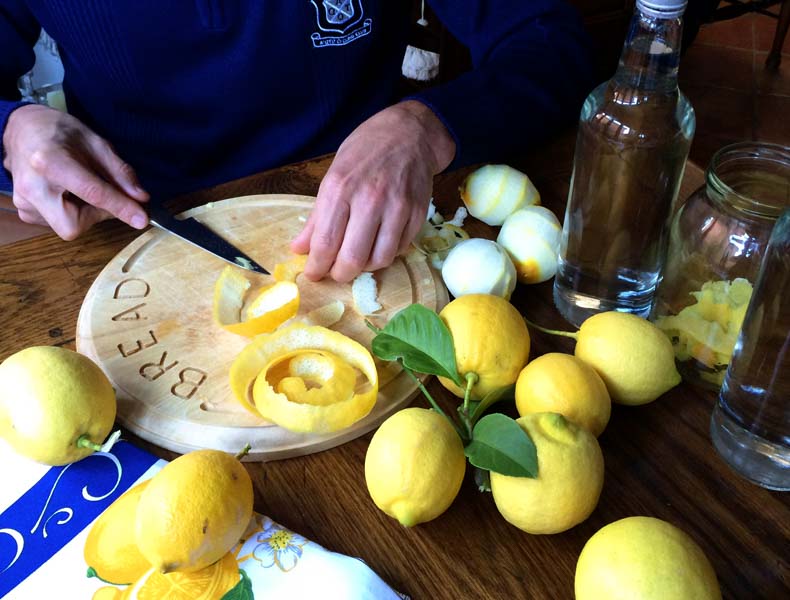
x: 196, y: 233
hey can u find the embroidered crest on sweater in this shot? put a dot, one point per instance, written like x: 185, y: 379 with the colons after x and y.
x: 339, y: 22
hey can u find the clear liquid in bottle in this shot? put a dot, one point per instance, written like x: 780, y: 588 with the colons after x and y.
x: 633, y: 140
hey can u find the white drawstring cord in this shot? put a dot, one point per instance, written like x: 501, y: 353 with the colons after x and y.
x: 422, y: 20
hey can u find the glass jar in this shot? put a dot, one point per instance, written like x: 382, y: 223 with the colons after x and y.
x: 717, y: 240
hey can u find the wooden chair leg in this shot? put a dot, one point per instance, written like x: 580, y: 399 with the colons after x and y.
x: 775, y: 55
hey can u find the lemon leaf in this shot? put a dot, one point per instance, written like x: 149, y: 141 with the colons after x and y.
x: 500, y: 445
x: 418, y: 337
x: 242, y: 590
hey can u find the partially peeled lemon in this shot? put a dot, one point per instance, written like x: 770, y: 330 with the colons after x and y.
x: 493, y: 192
x: 274, y: 304
x: 531, y: 237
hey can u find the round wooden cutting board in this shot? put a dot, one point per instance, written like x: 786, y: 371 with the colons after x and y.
x: 147, y: 321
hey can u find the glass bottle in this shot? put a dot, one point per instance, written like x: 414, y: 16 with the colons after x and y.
x: 717, y: 240
x: 634, y: 136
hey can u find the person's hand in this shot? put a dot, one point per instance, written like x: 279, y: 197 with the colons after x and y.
x: 65, y: 175
x: 374, y: 197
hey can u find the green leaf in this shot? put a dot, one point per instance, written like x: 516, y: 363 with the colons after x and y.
x: 504, y: 393
x: 418, y: 337
x: 500, y: 445
x: 242, y: 590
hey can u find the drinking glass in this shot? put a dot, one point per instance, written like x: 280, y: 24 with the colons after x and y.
x: 750, y: 426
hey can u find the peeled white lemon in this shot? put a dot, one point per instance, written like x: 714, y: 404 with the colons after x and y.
x: 479, y: 266
x: 493, y: 192
x: 531, y: 237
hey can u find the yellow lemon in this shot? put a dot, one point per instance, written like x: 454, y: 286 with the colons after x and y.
x: 56, y: 406
x: 414, y: 465
x: 633, y: 357
x: 490, y: 339
x: 193, y: 511
x: 209, y: 583
x: 562, y: 383
x: 569, y: 481
x: 643, y: 558
x: 111, y: 547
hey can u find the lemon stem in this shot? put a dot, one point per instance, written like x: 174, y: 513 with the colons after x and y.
x: 570, y: 334
x: 471, y: 380
x: 244, y: 452
x: 372, y: 327
x: 435, y: 406
x: 85, y: 442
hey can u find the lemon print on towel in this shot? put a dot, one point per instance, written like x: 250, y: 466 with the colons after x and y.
x: 209, y: 583
x: 276, y: 546
x: 113, y: 556
x: 216, y: 582
x: 125, y: 548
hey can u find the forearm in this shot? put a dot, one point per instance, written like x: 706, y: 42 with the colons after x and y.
x: 433, y: 132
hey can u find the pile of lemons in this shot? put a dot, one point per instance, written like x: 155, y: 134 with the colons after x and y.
x: 415, y: 463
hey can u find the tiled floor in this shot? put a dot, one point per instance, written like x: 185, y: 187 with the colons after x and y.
x: 723, y: 74
x: 735, y: 97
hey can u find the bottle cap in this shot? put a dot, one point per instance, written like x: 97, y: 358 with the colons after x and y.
x: 662, y: 9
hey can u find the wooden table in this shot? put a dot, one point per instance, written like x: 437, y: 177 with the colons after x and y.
x: 659, y: 458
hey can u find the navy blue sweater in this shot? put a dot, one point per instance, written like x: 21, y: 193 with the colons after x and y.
x: 196, y: 92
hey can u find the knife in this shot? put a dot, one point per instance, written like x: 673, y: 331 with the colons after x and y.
x: 193, y: 231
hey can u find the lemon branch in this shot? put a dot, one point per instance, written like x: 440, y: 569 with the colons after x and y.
x: 471, y: 380
x: 435, y: 406
x: 420, y: 342
x: 570, y: 334
x: 244, y: 451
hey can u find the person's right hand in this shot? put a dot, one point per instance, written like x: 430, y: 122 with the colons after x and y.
x: 65, y: 175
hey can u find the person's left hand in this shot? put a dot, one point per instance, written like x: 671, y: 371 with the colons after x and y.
x: 374, y: 197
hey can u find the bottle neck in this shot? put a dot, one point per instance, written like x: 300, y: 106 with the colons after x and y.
x: 651, y: 53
